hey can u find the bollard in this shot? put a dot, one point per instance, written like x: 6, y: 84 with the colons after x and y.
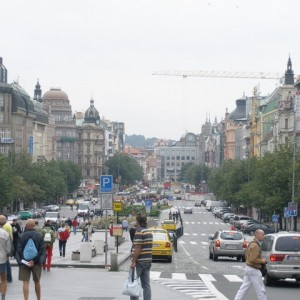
x: 175, y: 242
x: 113, y: 261
x: 99, y: 244
x: 86, y: 252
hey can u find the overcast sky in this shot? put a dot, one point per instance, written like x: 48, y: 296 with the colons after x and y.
x: 109, y: 49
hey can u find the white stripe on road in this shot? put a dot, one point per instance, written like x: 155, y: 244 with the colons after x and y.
x: 207, y: 280
x: 180, y: 276
x: 233, y: 278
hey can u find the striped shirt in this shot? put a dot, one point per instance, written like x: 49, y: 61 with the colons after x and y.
x: 143, y: 237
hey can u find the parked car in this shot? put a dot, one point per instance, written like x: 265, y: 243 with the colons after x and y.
x: 243, y: 223
x: 228, y: 243
x: 238, y: 218
x: 36, y: 214
x: 51, y: 207
x: 220, y: 212
x: 162, y: 247
x: 25, y: 214
x: 188, y: 210
x: 227, y: 216
x: 282, y: 251
x: 168, y: 225
x: 198, y: 203
x: 251, y: 228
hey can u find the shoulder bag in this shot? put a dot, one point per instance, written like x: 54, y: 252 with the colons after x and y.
x: 132, y: 286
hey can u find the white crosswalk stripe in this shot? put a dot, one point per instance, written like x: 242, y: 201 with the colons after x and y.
x: 197, y: 286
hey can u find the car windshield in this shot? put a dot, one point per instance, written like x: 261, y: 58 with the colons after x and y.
x: 231, y: 236
x: 159, y: 236
x: 289, y: 243
x: 51, y: 214
x: 83, y: 206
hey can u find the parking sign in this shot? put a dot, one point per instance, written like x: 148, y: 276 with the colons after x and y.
x: 106, y: 184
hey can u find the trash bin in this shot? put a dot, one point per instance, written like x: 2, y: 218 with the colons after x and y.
x: 86, y: 252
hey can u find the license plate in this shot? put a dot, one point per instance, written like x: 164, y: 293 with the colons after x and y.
x: 230, y: 246
x: 158, y: 253
x: 155, y: 245
x: 293, y: 257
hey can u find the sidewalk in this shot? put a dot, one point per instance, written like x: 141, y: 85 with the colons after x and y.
x: 73, y: 280
x: 73, y: 244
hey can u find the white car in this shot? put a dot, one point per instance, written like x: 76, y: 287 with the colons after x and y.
x: 188, y: 210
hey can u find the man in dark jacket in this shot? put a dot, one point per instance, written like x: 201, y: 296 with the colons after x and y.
x: 33, y: 266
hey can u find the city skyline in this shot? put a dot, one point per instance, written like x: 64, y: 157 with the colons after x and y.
x: 108, y: 51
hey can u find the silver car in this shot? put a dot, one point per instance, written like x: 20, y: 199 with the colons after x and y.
x: 228, y: 243
x: 282, y: 251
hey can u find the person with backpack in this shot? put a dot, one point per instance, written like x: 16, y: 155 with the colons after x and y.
x: 63, y: 235
x: 30, y: 256
x: 49, y: 239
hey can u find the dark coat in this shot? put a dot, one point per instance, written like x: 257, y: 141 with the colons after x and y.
x: 39, y: 244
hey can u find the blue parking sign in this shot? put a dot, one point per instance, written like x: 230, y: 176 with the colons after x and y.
x: 275, y: 218
x: 106, y: 184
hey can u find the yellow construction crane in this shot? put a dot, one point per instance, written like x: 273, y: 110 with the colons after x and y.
x: 224, y: 74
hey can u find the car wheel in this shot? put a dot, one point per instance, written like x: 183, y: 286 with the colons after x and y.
x: 243, y: 258
x: 268, y: 280
x: 210, y: 255
x: 215, y: 257
x: 239, y: 258
x: 251, y: 233
x: 170, y: 259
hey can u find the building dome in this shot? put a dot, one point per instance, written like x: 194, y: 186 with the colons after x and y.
x: 55, y: 94
x: 91, y: 114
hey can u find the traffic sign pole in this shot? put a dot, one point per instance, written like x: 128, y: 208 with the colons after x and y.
x: 106, y: 190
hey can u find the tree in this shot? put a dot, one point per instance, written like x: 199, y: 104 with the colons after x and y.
x: 124, y: 167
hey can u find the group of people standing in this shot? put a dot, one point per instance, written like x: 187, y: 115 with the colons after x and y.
x: 13, y: 243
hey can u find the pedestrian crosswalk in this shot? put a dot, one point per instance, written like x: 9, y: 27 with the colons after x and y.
x: 197, y: 286
x: 157, y: 275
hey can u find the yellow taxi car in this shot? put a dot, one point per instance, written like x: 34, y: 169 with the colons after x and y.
x: 162, y: 247
x: 71, y: 202
x: 168, y: 225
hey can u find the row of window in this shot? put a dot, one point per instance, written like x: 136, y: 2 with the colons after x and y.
x: 182, y: 157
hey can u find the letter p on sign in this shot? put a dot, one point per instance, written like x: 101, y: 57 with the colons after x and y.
x: 106, y: 184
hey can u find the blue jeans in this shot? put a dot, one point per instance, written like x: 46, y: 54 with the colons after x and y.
x: 143, y: 272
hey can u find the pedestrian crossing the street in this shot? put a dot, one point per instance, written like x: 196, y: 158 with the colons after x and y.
x: 197, y: 286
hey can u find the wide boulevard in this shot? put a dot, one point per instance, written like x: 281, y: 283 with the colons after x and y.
x: 193, y: 273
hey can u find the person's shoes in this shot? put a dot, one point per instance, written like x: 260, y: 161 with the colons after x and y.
x: 60, y: 253
x: 48, y: 270
x: 44, y: 268
x: 63, y: 256
x: 9, y: 281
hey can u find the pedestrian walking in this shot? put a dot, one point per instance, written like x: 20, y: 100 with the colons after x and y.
x: 16, y: 229
x: 252, y: 275
x: 75, y: 225
x: 111, y: 227
x: 90, y: 231
x: 37, y: 227
x: 142, y: 255
x: 84, y: 232
x: 33, y: 266
x: 5, y: 251
x: 63, y: 235
x: 49, y: 239
x: 125, y: 224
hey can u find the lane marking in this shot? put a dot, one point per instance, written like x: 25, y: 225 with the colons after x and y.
x: 207, y: 280
x: 233, y: 278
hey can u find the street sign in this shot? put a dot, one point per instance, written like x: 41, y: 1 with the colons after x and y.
x: 106, y: 184
x: 118, y: 206
x: 117, y: 230
x: 106, y: 201
x: 293, y: 209
x: 286, y: 212
x: 275, y: 218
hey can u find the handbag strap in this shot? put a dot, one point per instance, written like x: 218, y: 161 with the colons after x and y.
x: 132, y: 270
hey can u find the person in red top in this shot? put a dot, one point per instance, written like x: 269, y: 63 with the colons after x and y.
x: 63, y: 235
x: 75, y: 225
